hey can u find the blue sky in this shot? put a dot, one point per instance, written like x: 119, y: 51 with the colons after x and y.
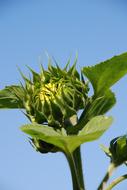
x: 97, y: 30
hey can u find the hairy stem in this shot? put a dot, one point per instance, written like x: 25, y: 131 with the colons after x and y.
x: 116, y: 181
x: 78, y: 163
x: 108, y: 174
x: 77, y: 179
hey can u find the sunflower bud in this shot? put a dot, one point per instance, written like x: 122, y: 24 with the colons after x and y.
x: 118, y: 150
x: 54, y: 95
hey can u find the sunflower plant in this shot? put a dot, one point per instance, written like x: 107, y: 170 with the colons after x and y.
x: 52, y: 100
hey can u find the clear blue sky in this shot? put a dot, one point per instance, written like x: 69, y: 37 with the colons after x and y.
x: 97, y: 30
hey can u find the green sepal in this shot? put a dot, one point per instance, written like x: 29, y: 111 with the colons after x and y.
x: 27, y: 81
x: 72, y: 71
x: 67, y: 96
x: 42, y: 146
x: 46, y: 110
x: 45, y: 76
x: 66, y: 110
x: 11, y: 97
x: 67, y: 64
x: 56, y: 112
x: 39, y: 116
x: 106, y: 150
x: 52, y: 70
x: 36, y: 76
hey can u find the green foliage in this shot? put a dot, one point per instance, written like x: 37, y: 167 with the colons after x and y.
x: 95, y: 107
x: 102, y: 76
x: 51, y: 100
x: 53, y: 96
x: 92, y: 131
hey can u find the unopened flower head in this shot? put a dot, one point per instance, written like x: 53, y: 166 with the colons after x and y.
x: 53, y: 95
x: 118, y: 150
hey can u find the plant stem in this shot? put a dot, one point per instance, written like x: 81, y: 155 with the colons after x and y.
x: 78, y: 163
x: 116, y: 181
x: 75, y: 173
x: 108, y: 174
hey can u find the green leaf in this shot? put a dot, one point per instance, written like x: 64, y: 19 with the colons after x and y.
x: 97, y: 106
x: 101, y: 105
x: 10, y: 97
x: 96, y: 127
x: 92, y: 131
x: 108, y: 100
x: 104, y: 75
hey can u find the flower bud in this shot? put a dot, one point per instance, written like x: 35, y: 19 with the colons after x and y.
x: 118, y: 149
x: 54, y: 95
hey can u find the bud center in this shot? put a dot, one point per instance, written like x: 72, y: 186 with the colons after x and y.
x: 48, y: 91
